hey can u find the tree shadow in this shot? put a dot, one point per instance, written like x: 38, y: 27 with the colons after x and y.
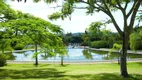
x: 140, y: 63
x: 30, y: 73
x: 54, y: 74
x: 43, y: 65
x: 65, y: 65
x: 105, y: 76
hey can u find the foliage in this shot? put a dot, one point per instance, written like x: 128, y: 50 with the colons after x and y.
x: 55, y: 16
x: 19, y: 46
x: 5, y: 40
x: 76, y: 39
x: 136, y: 41
x: 72, y: 38
x: 116, y: 47
x: 27, y: 29
x: 99, y: 44
x: 97, y: 31
x: 94, y: 30
x: 3, y: 59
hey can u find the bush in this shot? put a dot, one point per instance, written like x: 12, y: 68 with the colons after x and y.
x: 84, y: 44
x: 3, y: 59
x: 99, y: 44
x: 118, y: 42
x: 19, y: 46
x: 136, y: 41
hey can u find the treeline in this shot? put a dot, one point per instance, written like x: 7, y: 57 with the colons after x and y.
x: 97, y: 36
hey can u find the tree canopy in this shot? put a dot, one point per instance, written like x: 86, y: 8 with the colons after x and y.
x: 23, y: 28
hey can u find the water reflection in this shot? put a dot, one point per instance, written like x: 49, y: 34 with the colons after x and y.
x: 87, y: 54
x: 73, y: 54
x: 114, y: 56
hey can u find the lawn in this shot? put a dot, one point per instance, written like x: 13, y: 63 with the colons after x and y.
x: 98, y: 71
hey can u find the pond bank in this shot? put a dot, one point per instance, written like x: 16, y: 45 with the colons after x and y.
x: 107, y: 50
x: 101, y: 49
x: 71, y: 62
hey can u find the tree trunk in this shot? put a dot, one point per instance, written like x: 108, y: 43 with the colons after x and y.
x: 36, y: 61
x: 118, y: 58
x: 62, y: 58
x: 123, y: 55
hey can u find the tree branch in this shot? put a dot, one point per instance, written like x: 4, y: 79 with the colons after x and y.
x: 73, y: 7
x: 124, y: 13
x: 118, y: 3
x: 126, y: 5
x: 113, y: 20
x: 129, y: 13
x: 101, y: 8
x: 135, y: 10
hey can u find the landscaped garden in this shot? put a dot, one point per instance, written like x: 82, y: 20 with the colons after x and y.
x: 35, y: 48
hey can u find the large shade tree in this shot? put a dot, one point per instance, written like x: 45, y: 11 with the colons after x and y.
x: 23, y: 27
x: 128, y: 8
x: 36, y: 31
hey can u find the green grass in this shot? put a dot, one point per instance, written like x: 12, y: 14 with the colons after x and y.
x: 104, y: 71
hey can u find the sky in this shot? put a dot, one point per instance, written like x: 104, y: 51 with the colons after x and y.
x: 79, y: 19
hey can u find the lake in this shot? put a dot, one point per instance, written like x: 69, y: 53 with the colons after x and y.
x: 73, y: 55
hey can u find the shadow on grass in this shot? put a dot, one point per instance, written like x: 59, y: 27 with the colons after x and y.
x: 106, y: 76
x: 65, y: 65
x: 140, y: 63
x: 54, y: 74
x: 30, y: 73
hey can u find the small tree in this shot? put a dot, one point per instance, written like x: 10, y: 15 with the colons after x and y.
x: 118, y: 48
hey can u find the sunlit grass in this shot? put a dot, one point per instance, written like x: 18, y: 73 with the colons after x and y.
x: 104, y: 71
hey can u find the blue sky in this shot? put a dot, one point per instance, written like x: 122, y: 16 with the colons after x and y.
x: 79, y: 20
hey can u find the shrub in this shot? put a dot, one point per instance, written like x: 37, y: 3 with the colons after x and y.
x: 99, y: 44
x: 136, y: 41
x: 19, y: 46
x: 118, y: 42
x: 3, y: 59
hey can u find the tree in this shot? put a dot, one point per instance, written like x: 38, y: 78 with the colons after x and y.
x: 24, y: 27
x: 94, y: 30
x: 107, y: 6
x: 118, y: 48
